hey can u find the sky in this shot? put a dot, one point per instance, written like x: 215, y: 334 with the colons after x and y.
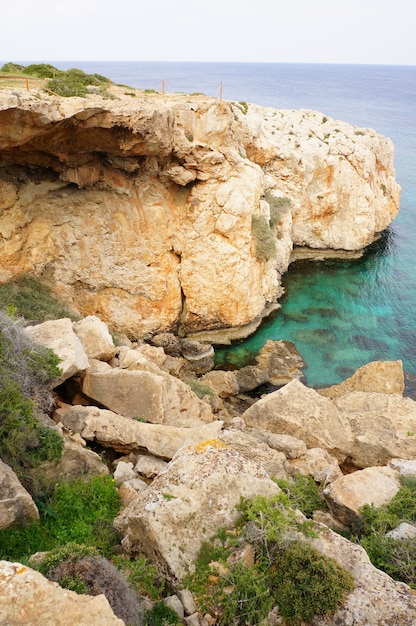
x: 279, y: 31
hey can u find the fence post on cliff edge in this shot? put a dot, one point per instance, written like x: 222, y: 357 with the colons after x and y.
x: 221, y: 91
x: 27, y: 84
x: 163, y: 88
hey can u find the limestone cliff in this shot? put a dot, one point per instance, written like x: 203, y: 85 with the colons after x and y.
x: 140, y: 209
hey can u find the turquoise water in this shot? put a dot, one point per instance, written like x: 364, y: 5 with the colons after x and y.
x: 340, y: 315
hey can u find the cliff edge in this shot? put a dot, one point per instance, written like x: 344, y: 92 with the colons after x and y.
x: 180, y: 212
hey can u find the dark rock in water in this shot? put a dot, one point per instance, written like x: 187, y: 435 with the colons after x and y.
x: 319, y: 336
x: 295, y: 316
x: 368, y: 343
x: 322, y: 311
x: 345, y: 372
x: 409, y: 385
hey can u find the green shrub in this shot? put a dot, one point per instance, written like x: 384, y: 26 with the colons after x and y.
x: 80, y: 512
x: 12, y: 68
x: 41, y: 70
x: 67, y: 88
x: 287, y: 571
x: 75, y: 82
x: 304, y: 494
x: 202, y: 391
x: 161, y: 615
x: 31, y: 299
x: 308, y: 584
x: 142, y: 576
x: 265, y: 242
x: 396, y: 557
x: 70, y: 551
x: 26, y: 370
x: 277, y: 206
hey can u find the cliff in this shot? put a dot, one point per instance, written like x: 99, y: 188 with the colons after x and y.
x: 159, y: 213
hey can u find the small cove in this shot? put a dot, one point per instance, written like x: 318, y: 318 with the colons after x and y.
x: 339, y: 314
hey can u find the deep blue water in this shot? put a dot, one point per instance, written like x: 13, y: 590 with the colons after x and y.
x: 339, y: 314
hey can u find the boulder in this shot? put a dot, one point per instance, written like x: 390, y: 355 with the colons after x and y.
x: 222, y: 382
x: 188, y: 502
x: 317, y: 463
x: 302, y: 413
x: 250, y: 377
x: 379, y: 376
x: 376, y: 599
x: 365, y: 428
x: 372, y: 485
x: 383, y: 427
x: 155, y: 397
x: 16, y: 504
x: 291, y: 447
x: 129, y: 435
x: 123, y: 472
x: 76, y: 462
x: 271, y: 460
x: 403, y: 531
x: 94, y: 336
x: 169, y: 342
x: 405, y: 467
x: 59, y: 336
x: 28, y: 598
x: 281, y: 360
x: 149, y: 466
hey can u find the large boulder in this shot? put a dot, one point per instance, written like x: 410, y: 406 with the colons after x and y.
x: 363, y: 428
x: 76, y: 462
x: 94, y: 336
x: 27, y: 598
x: 156, y: 397
x: 16, y: 504
x: 59, y: 336
x: 383, y: 427
x: 271, y: 460
x: 188, y: 502
x: 282, y: 361
x: 376, y: 599
x: 372, y: 485
x: 129, y: 435
x: 379, y: 376
x: 301, y: 412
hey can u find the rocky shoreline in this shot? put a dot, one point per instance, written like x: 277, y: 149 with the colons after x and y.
x: 356, y: 439
x: 166, y: 223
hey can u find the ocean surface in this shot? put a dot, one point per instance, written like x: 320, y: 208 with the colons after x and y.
x: 339, y: 314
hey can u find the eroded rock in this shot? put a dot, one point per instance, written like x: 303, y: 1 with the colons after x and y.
x: 28, y: 598
x: 184, y: 505
x: 16, y: 504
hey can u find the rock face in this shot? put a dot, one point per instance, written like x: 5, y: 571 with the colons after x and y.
x: 188, y: 502
x: 376, y: 599
x: 364, y: 428
x: 27, y: 598
x: 379, y: 376
x: 16, y: 504
x: 140, y: 210
x: 372, y: 485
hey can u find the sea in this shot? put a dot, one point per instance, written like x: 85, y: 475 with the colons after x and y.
x: 339, y: 314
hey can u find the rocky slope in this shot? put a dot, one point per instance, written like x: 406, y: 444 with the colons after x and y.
x: 140, y: 208
x: 182, y: 471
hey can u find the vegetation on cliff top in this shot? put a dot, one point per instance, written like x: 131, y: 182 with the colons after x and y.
x: 73, y: 82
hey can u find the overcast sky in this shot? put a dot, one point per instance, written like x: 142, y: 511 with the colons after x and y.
x: 318, y: 31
